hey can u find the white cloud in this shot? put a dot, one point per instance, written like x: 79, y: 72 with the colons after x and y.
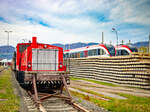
x: 76, y: 26
x: 44, y: 34
x: 131, y: 11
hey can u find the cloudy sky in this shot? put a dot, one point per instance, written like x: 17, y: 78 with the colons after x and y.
x: 69, y: 21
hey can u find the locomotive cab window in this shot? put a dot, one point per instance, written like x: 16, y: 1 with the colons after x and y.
x: 23, y: 48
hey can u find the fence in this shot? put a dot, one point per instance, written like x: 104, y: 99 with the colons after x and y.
x: 132, y: 70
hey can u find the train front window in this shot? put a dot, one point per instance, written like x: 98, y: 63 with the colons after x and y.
x: 23, y: 48
x: 133, y: 49
x: 124, y: 52
x: 111, y: 50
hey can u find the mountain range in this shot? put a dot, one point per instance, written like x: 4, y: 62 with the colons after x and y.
x: 8, y: 51
x: 79, y: 44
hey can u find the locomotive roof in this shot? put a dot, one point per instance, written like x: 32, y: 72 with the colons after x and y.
x: 35, y: 43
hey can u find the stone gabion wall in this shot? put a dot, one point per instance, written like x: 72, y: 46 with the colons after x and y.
x: 132, y: 70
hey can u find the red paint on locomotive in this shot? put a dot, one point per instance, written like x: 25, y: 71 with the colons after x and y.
x: 24, y: 56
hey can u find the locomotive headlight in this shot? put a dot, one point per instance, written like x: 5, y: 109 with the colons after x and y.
x: 29, y: 65
x: 45, y: 46
x: 61, y: 66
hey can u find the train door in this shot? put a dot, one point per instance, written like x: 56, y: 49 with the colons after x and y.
x: 85, y: 53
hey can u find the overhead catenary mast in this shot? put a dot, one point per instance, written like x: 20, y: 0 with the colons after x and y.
x: 149, y: 43
x: 102, y: 38
x: 129, y: 42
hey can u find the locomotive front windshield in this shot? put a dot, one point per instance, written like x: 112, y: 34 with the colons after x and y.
x: 111, y: 50
x: 23, y: 48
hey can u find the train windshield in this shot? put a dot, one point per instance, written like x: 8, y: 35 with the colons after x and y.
x: 111, y: 50
x: 133, y: 49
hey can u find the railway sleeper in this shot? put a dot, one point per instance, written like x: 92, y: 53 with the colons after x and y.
x: 40, y: 97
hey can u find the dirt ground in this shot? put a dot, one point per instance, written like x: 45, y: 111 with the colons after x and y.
x: 107, y: 90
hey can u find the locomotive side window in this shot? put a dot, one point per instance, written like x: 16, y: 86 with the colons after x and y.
x: 89, y: 52
x: 23, y: 48
x: 94, y: 52
x: 73, y: 55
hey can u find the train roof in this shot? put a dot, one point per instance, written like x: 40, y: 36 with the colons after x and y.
x: 34, y: 42
x: 125, y: 46
x: 104, y: 46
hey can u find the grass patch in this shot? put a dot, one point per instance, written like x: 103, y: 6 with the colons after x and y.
x: 11, y: 101
x: 95, y: 81
x: 132, y: 104
x: 92, y: 92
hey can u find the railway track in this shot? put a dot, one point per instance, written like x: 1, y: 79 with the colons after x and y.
x: 50, y: 105
x: 57, y: 105
x: 53, y: 103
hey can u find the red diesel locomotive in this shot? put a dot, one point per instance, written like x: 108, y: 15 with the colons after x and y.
x: 40, y: 61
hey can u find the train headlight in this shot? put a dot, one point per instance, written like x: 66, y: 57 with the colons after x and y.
x: 61, y: 66
x: 45, y: 46
x: 29, y: 65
